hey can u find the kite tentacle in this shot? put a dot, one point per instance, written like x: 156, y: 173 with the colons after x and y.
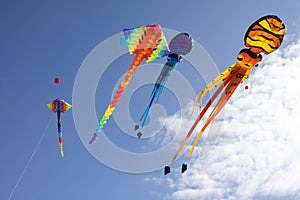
x: 159, y: 85
x: 225, y: 82
x: 136, y: 62
x: 214, y: 83
x: 221, y: 103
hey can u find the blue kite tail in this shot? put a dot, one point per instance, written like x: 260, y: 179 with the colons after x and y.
x: 155, y: 94
x: 160, y: 84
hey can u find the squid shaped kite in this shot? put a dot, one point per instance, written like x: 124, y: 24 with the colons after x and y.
x: 147, y: 42
x: 59, y: 106
x: 263, y: 36
x: 180, y: 45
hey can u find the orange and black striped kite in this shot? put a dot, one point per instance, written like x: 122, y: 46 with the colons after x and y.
x: 263, y: 36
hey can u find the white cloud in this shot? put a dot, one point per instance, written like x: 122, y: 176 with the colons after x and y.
x: 257, y: 155
x: 173, y: 123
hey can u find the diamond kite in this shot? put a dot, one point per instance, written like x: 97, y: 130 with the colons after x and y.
x: 59, y: 106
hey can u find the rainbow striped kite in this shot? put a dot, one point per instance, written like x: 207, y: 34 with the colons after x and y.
x: 147, y: 42
x: 59, y: 106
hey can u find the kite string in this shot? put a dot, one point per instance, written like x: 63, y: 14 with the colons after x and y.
x: 30, y: 158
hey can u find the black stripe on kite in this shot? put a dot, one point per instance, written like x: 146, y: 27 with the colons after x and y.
x: 262, y: 47
x: 267, y: 31
x: 261, y: 19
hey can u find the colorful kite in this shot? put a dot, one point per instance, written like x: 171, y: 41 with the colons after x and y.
x: 59, y: 106
x: 263, y: 36
x: 180, y: 45
x: 147, y: 42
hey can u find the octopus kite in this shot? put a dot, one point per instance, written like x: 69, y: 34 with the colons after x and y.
x: 263, y: 36
x: 180, y: 45
x: 147, y: 42
x: 59, y: 106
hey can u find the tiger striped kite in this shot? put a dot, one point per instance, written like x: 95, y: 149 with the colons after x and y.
x: 264, y: 36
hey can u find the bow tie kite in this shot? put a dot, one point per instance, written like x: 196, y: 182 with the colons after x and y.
x: 147, y: 42
x: 180, y: 45
x: 263, y: 36
x: 59, y: 106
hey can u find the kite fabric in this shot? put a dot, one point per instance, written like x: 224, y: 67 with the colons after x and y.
x: 147, y: 42
x: 263, y: 36
x: 59, y: 106
x: 56, y: 80
x: 180, y: 45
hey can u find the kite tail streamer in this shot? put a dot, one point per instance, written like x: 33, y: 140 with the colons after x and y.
x: 136, y: 62
x: 173, y: 59
x: 214, y: 83
x: 145, y: 114
x: 59, y: 134
x: 225, y: 82
x: 60, y: 140
x: 221, y: 103
x: 211, y: 117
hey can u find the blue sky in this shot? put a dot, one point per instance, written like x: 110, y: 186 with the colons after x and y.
x: 43, y: 40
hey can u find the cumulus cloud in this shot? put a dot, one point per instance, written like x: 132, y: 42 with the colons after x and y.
x: 179, y: 121
x: 257, y: 154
